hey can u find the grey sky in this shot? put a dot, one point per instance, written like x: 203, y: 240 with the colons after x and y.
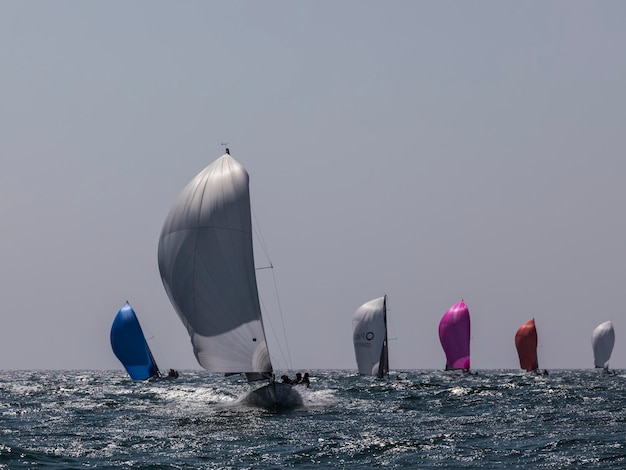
x: 432, y: 151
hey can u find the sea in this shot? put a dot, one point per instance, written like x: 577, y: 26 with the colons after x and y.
x: 422, y: 419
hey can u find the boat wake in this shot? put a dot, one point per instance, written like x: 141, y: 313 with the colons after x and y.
x: 318, y: 398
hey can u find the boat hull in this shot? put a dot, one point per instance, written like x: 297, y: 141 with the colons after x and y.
x: 274, y: 396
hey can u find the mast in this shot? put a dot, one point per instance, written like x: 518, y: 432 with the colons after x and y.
x: 383, y: 369
x: 156, y: 372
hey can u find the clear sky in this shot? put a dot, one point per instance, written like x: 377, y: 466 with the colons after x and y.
x: 430, y: 151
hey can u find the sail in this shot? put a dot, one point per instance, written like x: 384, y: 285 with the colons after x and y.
x: 602, y: 341
x: 454, y: 334
x: 526, y: 344
x: 207, y: 267
x: 369, y: 328
x: 130, y: 346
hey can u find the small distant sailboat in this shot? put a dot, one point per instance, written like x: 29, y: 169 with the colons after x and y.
x: 207, y: 267
x: 454, y: 334
x: 130, y: 346
x: 370, y: 338
x: 602, y: 341
x: 526, y: 344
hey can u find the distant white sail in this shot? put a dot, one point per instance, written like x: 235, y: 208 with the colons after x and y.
x: 602, y: 341
x: 370, y: 337
x: 207, y: 267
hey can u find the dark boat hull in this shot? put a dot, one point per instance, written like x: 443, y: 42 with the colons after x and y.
x: 274, y: 396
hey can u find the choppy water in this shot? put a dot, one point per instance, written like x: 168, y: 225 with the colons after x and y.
x: 427, y: 419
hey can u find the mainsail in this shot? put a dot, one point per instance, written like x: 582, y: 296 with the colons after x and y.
x: 207, y: 267
x: 602, y: 341
x: 526, y: 344
x: 454, y: 334
x: 369, y: 328
x: 130, y: 346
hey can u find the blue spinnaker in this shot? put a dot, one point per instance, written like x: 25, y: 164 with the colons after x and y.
x: 130, y: 346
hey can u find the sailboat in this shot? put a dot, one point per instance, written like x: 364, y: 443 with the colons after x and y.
x: 207, y: 267
x: 130, y: 346
x: 454, y: 334
x: 526, y: 344
x: 369, y: 328
x: 602, y: 341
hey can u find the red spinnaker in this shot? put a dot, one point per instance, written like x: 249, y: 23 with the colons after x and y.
x: 526, y: 344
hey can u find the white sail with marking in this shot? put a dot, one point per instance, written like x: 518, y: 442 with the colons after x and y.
x: 370, y: 337
x: 207, y: 267
x: 602, y: 341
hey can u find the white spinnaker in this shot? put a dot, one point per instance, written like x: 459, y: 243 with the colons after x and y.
x: 602, y: 340
x: 369, y: 331
x: 207, y: 267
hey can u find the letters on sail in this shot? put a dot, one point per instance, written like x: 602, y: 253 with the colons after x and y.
x: 370, y: 337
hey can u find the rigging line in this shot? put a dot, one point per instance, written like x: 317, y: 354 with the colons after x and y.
x: 282, y: 320
x: 280, y: 348
x: 152, y: 341
x: 259, y: 236
x: 256, y: 228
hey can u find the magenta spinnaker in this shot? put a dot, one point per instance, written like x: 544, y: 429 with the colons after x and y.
x: 454, y: 333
